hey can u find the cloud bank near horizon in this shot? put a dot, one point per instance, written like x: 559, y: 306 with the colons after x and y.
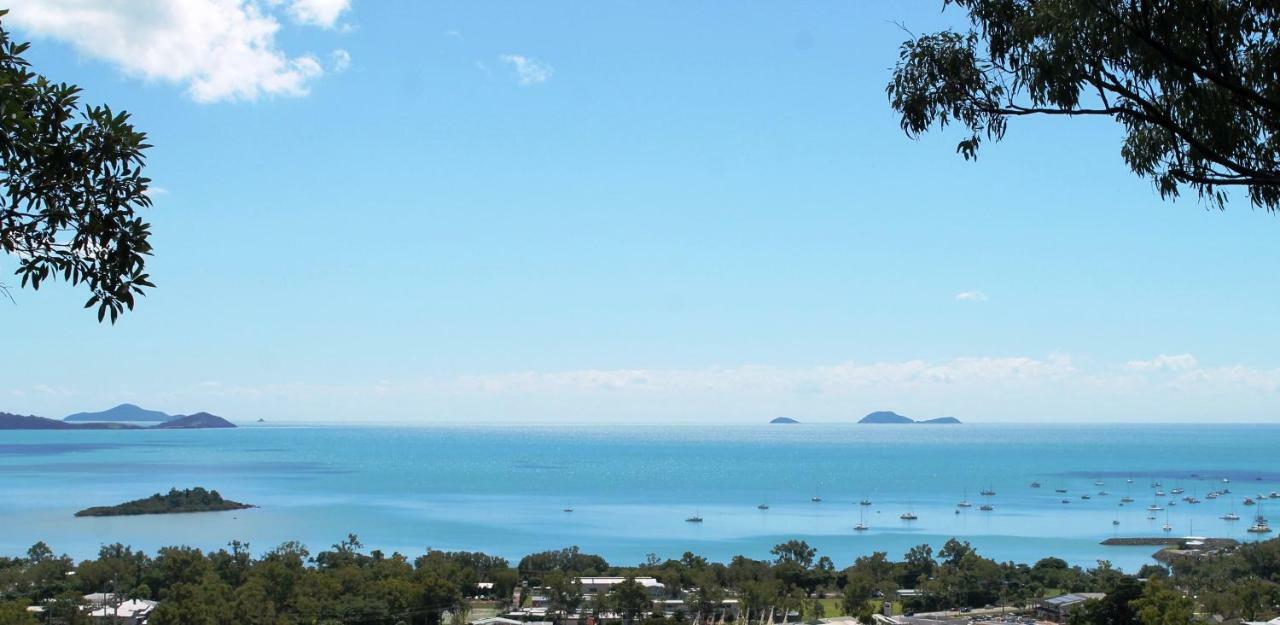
x: 1164, y: 388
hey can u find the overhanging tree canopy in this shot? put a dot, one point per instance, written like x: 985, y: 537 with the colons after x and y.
x: 1195, y: 83
x: 70, y: 183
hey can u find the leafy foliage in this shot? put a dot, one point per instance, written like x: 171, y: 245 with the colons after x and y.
x: 345, y: 584
x: 1192, y: 82
x: 70, y: 185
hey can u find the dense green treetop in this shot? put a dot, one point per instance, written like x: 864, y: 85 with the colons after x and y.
x: 70, y: 186
x: 1192, y: 82
x: 175, y: 501
x: 348, y: 584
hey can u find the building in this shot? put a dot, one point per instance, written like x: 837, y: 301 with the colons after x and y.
x: 131, y: 612
x: 918, y: 620
x: 1057, y: 609
x: 597, y: 585
x: 495, y: 620
x: 727, y: 609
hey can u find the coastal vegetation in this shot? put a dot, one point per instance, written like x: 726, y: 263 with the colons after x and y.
x: 175, y: 501
x: 348, y: 584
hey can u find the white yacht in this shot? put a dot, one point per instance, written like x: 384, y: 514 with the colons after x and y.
x: 862, y: 525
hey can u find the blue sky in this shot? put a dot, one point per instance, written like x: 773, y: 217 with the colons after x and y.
x: 621, y: 211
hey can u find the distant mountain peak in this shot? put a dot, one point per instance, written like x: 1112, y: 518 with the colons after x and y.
x: 784, y: 420
x: 123, y: 412
x: 886, y: 416
x: 197, y: 421
x: 941, y: 421
x: 890, y: 417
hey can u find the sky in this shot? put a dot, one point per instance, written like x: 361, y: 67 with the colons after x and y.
x: 597, y: 212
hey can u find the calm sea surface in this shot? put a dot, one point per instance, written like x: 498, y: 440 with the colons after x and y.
x: 502, y: 490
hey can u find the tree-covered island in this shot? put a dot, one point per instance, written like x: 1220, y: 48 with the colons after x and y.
x: 176, y: 501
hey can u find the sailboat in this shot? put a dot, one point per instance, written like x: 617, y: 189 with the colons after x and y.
x: 568, y: 508
x: 1166, y: 527
x: 862, y: 525
x: 909, y: 515
x: 763, y: 506
x: 1260, y: 525
x: 1116, y: 521
x: 696, y: 518
x: 864, y: 502
x: 987, y: 492
x: 1231, y: 516
x: 1127, y: 498
x: 964, y: 503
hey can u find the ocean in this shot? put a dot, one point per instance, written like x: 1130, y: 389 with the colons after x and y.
x: 504, y: 489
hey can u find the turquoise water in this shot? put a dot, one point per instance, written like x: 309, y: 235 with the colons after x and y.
x: 502, y: 490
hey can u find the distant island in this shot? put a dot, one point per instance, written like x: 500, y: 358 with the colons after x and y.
x: 123, y: 412
x: 890, y: 417
x: 198, y: 421
x: 784, y: 420
x: 177, y: 501
x: 10, y: 421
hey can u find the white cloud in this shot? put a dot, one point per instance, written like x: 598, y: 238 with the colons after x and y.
x: 339, y: 61
x: 529, y: 71
x: 220, y: 50
x: 1178, y: 362
x: 971, y: 296
x: 322, y: 13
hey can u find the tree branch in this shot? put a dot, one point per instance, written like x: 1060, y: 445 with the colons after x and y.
x: 1205, y: 73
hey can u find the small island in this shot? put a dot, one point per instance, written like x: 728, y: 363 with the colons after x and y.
x: 177, y: 501
x: 784, y: 420
x: 9, y: 421
x: 198, y: 421
x: 891, y: 417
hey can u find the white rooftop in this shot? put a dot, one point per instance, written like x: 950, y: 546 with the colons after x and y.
x: 496, y: 620
x: 647, y: 582
x: 127, y: 609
